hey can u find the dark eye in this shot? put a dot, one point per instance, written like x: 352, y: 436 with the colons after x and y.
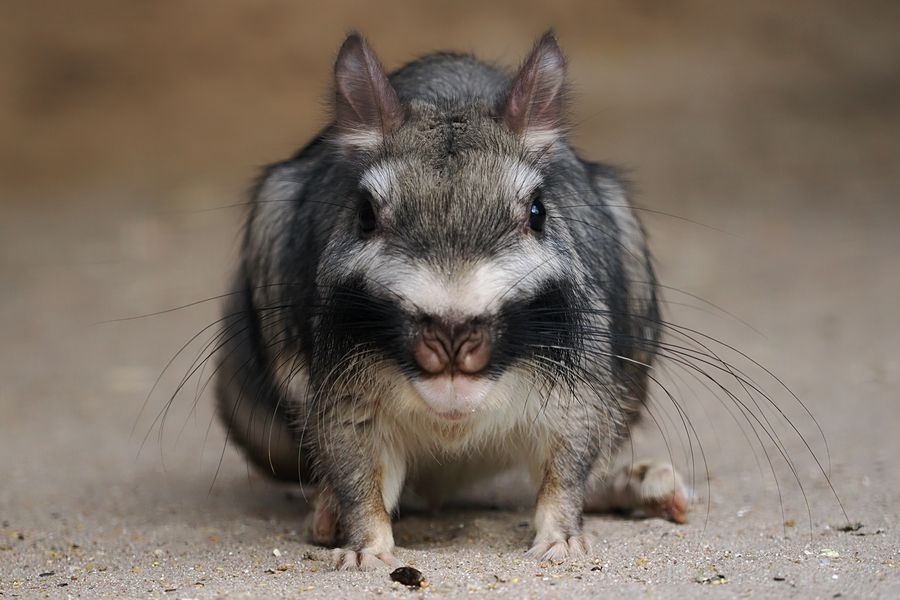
x: 366, y: 214
x: 537, y: 214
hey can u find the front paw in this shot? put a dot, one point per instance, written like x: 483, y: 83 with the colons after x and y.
x: 561, y: 549
x: 363, y: 560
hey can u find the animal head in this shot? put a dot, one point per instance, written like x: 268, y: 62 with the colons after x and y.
x: 452, y: 264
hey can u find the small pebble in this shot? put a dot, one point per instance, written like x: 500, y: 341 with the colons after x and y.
x: 408, y: 576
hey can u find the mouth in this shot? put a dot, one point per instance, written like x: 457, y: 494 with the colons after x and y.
x: 455, y: 415
x: 453, y: 397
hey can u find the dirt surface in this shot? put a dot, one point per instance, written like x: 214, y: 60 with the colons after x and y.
x: 772, y: 136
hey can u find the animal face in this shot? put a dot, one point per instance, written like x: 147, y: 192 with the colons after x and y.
x: 457, y: 257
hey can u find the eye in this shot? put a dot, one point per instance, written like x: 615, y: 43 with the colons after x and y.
x: 537, y: 214
x: 368, y: 223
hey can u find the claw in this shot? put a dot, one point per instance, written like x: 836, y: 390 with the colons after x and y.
x: 558, y: 551
x: 350, y: 560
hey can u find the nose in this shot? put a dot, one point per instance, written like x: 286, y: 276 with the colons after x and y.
x: 442, y: 347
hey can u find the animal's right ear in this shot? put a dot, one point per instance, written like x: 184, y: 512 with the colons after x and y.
x: 367, y: 107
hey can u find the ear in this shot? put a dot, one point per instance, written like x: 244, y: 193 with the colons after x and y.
x: 534, y: 106
x: 366, y: 105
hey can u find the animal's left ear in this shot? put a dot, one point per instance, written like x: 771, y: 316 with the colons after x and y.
x: 534, y: 105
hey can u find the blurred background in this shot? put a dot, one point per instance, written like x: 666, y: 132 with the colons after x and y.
x: 154, y: 98
x: 762, y: 137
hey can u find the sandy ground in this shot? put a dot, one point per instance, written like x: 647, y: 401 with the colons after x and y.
x: 81, y: 515
x: 788, y: 163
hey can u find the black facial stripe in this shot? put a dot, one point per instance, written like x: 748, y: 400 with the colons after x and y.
x: 352, y: 316
x: 543, y: 325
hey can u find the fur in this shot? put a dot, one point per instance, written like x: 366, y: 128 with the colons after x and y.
x: 451, y: 152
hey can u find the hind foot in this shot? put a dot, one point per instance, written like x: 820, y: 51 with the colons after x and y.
x: 648, y: 487
x: 323, y: 528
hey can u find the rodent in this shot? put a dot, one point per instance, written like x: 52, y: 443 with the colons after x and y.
x: 437, y: 288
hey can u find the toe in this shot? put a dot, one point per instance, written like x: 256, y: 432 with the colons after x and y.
x: 675, y: 507
x: 575, y: 546
x: 579, y: 546
x: 350, y: 560
x: 646, y: 487
x: 344, y: 560
x: 664, y: 494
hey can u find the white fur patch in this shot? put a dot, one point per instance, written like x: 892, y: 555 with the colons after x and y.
x: 538, y: 140
x: 478, y: 291
x: 393, y: 474
x: 458, y: 396
x: 632, y: 237
x: 520, y: 179
x: 274, y: 208
x: 379, y: 180
x: 632, y: 240
x: 509, y: 423
x: 360, y: 138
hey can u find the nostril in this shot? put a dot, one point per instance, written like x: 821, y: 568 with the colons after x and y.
x: 432, y: 351
x: 474, y: 352
x: 444, y: 348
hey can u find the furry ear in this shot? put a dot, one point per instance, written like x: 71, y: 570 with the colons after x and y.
x: 366, y: 105
x: 534, y: 106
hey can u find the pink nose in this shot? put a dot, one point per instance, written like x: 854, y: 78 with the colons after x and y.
x: 443, y: 348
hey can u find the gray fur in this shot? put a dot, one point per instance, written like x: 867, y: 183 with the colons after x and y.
x: 317, y: 341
